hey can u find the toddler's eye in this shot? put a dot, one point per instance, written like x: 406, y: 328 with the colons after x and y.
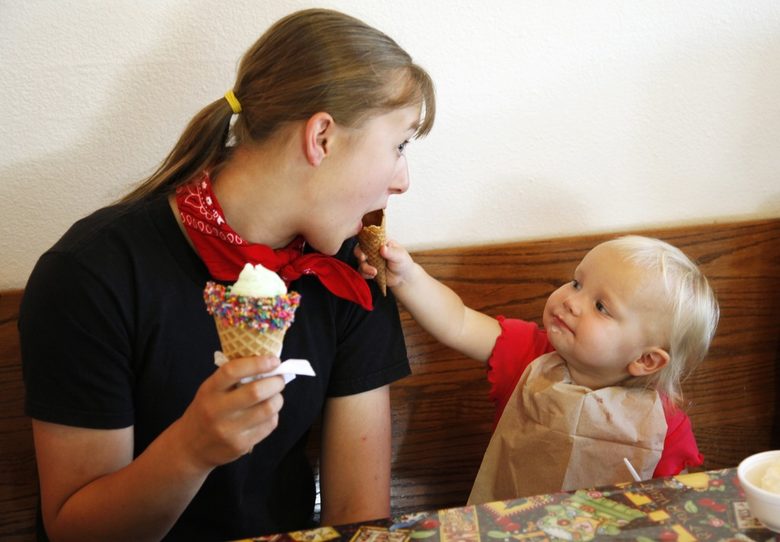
x: 601, y: 308
x: 402, y: 147
x: 576, y: 284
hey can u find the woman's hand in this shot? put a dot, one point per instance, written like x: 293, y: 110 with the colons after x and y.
x: 226, y: 418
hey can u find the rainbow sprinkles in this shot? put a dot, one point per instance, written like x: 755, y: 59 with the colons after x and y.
x: 260, y: 313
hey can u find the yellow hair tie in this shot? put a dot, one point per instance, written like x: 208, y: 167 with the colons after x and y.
x: 235, y: 105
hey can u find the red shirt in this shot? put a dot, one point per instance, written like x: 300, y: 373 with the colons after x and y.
x: 522, y: 342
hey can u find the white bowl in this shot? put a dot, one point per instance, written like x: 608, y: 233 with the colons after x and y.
x: 763, y: 504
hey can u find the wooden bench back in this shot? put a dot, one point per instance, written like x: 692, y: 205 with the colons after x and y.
x: 18, y: 475
x: 442, y: 418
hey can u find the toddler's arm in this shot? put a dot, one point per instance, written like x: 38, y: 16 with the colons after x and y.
x: 438, y: 309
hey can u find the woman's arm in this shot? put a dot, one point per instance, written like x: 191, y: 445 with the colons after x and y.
x: 93, y: 489
x: 355, y: 458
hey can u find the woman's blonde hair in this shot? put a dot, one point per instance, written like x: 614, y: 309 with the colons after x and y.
x: 693, y: 311
x: 311, y: 61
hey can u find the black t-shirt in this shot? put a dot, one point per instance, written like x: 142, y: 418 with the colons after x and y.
x: 114, y: 332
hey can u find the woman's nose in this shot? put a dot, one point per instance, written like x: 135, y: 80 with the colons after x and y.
x: 400, y: 183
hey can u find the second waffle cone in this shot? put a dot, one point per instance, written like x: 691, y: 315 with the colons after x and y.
x: 371, y: 238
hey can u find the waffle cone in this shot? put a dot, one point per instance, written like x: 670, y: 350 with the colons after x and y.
x: 371, y: 238
x: 239, y: 342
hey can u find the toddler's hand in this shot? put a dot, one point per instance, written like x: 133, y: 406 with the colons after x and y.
x: 399, y: 263
x: 366, y: 270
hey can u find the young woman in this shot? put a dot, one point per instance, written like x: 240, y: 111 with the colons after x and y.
x: 138, y: 435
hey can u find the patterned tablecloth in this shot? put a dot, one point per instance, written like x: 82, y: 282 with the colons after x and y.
x: 698, y: 506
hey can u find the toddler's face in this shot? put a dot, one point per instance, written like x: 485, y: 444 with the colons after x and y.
x: 605, y: 318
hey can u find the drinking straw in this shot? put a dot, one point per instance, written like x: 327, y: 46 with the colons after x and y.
x: 632, y: 470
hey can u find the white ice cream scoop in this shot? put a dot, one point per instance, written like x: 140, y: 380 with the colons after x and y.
x: 257, y: 281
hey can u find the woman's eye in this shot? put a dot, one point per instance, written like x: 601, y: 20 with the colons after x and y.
x: 402, y: 147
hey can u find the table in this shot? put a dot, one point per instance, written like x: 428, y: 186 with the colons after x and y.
x: 696, y: 506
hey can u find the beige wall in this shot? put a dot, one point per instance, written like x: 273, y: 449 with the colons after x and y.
x: 554, y: 117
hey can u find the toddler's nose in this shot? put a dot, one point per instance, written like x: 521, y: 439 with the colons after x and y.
x: 571, y: 305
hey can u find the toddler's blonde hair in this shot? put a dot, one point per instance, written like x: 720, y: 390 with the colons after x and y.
x: 691, y: 304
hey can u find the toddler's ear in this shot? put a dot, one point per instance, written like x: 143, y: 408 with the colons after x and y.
x: 652, y: 360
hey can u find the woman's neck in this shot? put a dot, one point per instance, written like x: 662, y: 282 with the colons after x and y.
x: 255, y: 189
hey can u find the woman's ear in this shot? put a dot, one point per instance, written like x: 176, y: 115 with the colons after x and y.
x: 652, y: 360
x: 317, y: 133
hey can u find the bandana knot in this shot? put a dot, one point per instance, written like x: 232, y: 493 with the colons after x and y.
x: 225, y: 252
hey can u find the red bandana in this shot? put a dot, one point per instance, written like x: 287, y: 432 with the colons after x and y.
x: 224, y: 251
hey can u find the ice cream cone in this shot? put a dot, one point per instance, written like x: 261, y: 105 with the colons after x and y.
x: 371, y: 238
x: 238, y: 342
x: 250, y: 325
